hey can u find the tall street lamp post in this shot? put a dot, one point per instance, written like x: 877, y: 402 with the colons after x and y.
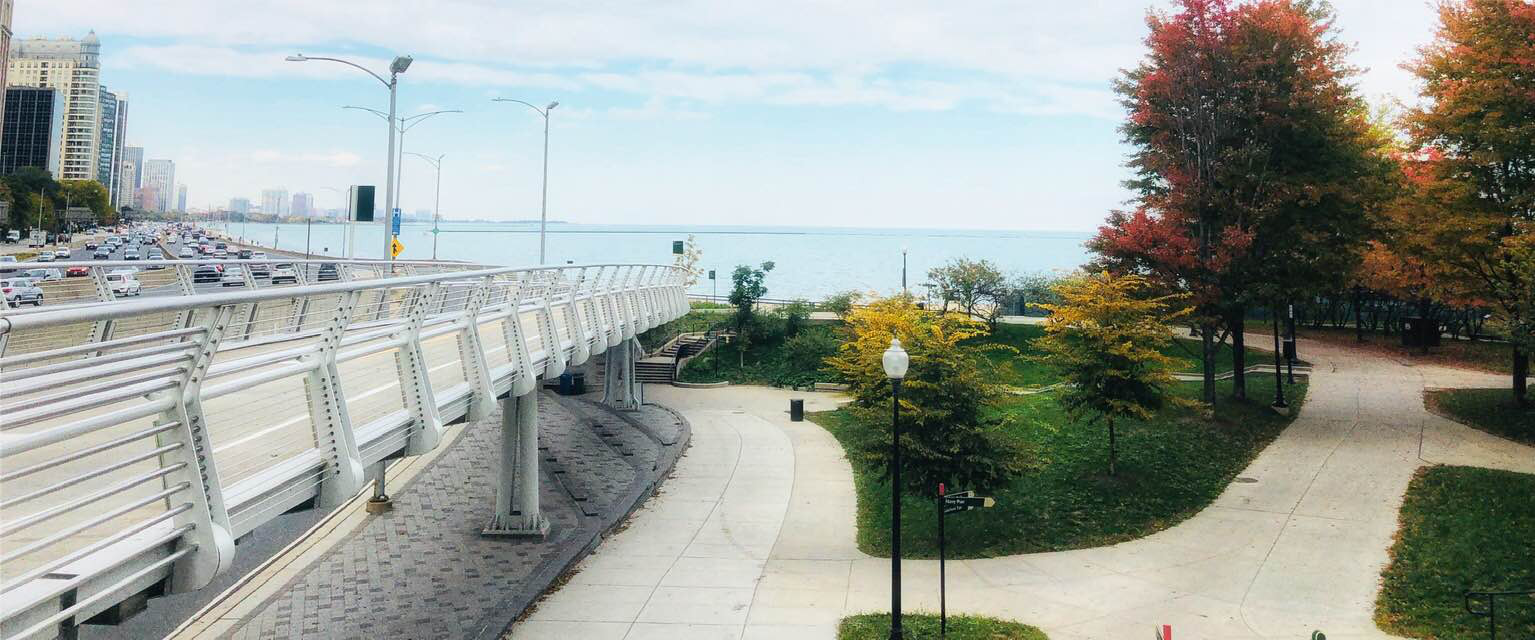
x: 404, y: 125
x: 895, y: 362
x: 396, y: 67
x: 437, y: 199
x: 1279, y: 402
x: 903, y: 268
x: 543, y: 208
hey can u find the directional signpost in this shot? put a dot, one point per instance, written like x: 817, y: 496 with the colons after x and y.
x: 395, y: 247
x: 951, y: 503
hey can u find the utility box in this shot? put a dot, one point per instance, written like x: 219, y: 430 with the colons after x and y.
x: 359, y: 203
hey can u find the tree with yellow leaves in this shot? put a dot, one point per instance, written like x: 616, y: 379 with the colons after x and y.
x: 949, y: 430
x: 1105, y: 339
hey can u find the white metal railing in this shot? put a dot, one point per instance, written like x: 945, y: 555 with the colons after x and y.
x: 139, y: 438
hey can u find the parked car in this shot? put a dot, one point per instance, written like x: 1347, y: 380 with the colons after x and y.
x: 284, y: 272
x: 233, y: 277
x: 77, y: 272
x: 123, y: 284
x: 328, y: 272
x: 7, y: 260
x: 19, y: 291
x: 208, y: 273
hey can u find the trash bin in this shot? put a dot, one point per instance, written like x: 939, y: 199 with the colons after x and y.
x: 797, y: 410
x: 567, y: 384
x: 577, y: 382
x: 1289, y: 349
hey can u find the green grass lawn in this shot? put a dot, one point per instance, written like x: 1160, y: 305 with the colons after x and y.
x: 1490, y: 410
x: 1022, y: 372
x: 1169, y: 469
x: 920, y: 626
x: 1462, y: 528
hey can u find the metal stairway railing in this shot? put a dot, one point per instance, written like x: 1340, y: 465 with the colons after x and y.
x: 140, y: 438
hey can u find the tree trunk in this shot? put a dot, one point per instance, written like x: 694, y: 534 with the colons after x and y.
x: 1207, y: 339
x: 1521, y: 377
x: 1113, y: 448
x: 1238, y: 355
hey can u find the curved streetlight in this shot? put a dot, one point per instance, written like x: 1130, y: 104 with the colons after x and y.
x: 437, y: 204
x: 404, y: 124
x: 396, y: 67
x: 543, y: 209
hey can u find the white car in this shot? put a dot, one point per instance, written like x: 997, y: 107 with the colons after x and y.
x: 46, y: 256
x: 19, y: 291
x: 284, y: 272
x: 186, y: 253
x: 233, y: 277
x: 43, y: 275
x: 62, y: 254
x: 123, y: 284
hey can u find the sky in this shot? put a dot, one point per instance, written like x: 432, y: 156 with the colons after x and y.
x: 986, y: 114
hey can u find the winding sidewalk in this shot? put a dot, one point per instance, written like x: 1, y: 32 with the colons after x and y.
x: 755, y: 535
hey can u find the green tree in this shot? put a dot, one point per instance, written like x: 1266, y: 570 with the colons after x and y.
x: 86, y: 193
x: 748, y: 285
x: 1105, y: 338
x: 950, y: 431
x: 976, y: 287
x: 32, y: 190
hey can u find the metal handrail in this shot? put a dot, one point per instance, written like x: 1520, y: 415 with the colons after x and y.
x: 104, y: 394
x: 1491, y: 612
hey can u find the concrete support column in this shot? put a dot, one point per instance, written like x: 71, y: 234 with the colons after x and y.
x: 517, y: 481
x: 620, y: 388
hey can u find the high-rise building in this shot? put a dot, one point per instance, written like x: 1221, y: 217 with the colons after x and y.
x: 241, y: 206
x: 160, y: 180
x: 303, y: 205
x: 29, y: 134
x: 181, y: 198
x: 74, y: 68
x: 274, y: 202
x: 108, y: 170
x: 5, y: 48
x: 132, y: 179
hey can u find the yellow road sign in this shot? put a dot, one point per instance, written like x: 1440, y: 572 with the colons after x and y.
x: 395, y: 247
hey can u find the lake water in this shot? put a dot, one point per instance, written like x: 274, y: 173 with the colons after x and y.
x: 811, y: 262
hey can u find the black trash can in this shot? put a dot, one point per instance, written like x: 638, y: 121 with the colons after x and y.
x: 577, y: 382
x: 567, y: 384
x: 797, y: 410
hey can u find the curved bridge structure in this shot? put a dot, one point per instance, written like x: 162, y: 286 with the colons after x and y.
x: 140, y: 437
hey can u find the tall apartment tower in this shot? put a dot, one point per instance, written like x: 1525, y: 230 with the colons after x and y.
x: 114, y: 124
x: 74, y: 68
x: 159, y: 190
x: 303, y: 205
x: 30, y: 130
x: 274, y: 202
x: 181, y: 198
x: 5, y: 48
x: 132, y: 172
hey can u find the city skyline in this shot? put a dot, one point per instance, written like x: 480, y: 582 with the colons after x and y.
x: 906, y: 115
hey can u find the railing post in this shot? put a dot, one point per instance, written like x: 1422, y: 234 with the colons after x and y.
x: 184, y: 274
x: 208, y: 516
x: 612, y: 329
x: 101, y: 330
x: 410, y: 366
x: 517, y: 344
x: 472, y: 353
x: 647, y: 306
x: 549, y: 335
x: 574, y: 323
x: 626, y: 296
x: 337, y: 442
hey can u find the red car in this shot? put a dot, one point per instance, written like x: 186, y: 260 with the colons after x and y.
x: 77, y: 272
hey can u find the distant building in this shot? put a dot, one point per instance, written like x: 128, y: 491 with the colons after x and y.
x: 274, y: 202
x: 181, y: 198
x: 303, y: 205
x: 423, y: 215
x: 33, y: 125
x: 109, y: 170
x: 74, y: 68
x: 160, y: 180
x: 241, y: 206
x: 132, y: 176
x: 148, y: 197
x: 5, y: 48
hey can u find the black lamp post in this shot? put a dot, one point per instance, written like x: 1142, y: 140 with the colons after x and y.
x: 895, y: 361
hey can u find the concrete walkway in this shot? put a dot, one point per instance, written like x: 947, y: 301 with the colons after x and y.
x: 755, y: 535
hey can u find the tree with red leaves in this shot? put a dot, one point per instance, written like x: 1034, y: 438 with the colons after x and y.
x: 1475, y: 228
x: 1256, y: 168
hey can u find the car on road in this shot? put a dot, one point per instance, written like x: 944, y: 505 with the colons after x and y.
x: 208, y: 273
x: 328, y: 272
x: 12, y: 237
x: 156, y: 251
x: 77, y: 272
x: 186, y: 253
x: 233, y: 277
x: 260, y: 270
x: 46, y: 256
x: 91, y: 245
x: 43, y: 275
x: 221, y: 254
x: 155, y: 262
x: 62, y: 254
x: 102, y: 254
x: 19, y: 291
x: 284, y: 272
x: 245, y: 254
x: 130, y: 254
x: 123, y: 284
x: 7, y: 260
